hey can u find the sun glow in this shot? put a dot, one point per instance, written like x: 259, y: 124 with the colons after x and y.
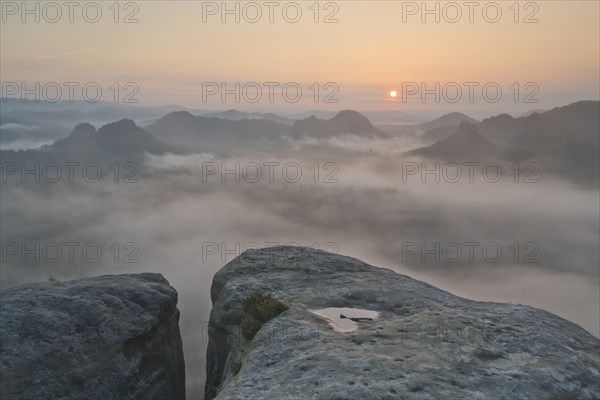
x: 393, y: 93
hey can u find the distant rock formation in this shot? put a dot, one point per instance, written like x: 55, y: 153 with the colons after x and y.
x: 121, y: 137
x: 446, y: 120
x: 564, y: 140
x: 425, y: 344
x: 109, y: 337
x: 465, y: 144
x: 204, y: 133
x: 235, y: 115
x: 345, y: 122
x: 437, y: 129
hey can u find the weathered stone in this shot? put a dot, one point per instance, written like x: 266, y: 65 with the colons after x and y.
x: 425, y: 344
x: 109, y: 337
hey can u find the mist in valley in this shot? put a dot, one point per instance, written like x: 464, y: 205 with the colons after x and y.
x: 186, y: 214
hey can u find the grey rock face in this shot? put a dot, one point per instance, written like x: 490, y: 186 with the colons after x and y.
x: 109, y: 337
x: 426, y: 343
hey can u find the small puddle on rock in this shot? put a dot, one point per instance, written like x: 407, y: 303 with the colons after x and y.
x: 345, y: 324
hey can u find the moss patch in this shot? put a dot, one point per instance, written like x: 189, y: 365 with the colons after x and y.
x: 235, y: 367
x: 258, y: 309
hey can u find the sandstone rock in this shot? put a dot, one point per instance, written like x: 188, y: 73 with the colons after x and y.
x: 109, y: 337
x: 425, y: 344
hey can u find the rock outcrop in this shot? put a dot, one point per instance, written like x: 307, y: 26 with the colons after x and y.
x: 425, y: 344
x: 109, y: 337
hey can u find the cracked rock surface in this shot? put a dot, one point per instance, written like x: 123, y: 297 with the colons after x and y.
x: 108, y: 337
x: 426, y: 343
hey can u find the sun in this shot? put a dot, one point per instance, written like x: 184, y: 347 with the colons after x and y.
x: 393, y: 93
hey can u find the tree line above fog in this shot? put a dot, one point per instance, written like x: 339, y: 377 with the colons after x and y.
x: 563, y: 140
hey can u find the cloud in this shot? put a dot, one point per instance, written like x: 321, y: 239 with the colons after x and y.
x: 171, y: 214
x: 19, y: 127
x: 25, y: 144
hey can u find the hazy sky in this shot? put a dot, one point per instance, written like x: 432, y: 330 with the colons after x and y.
x: 373, y: 48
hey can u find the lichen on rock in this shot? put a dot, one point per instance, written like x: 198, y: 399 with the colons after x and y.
x: 108, y: 337
x: 425, y: 344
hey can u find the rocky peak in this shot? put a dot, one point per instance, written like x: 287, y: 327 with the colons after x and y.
x: 424, y: 344
x: 84, y: 130
x: 109, y: 337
